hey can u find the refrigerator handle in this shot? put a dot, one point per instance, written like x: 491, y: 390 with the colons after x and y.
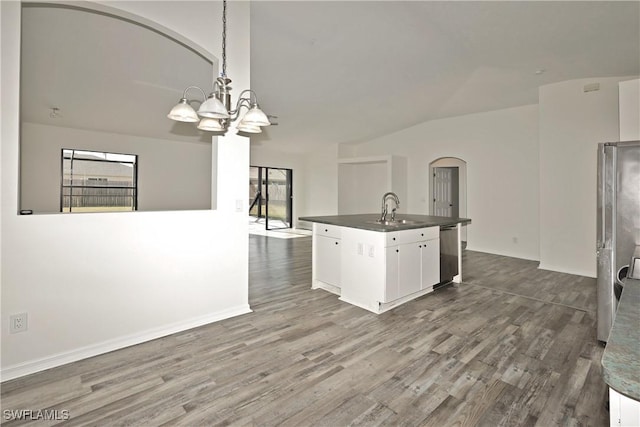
x: 600, y: 200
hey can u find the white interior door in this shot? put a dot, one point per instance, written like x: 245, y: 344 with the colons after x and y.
x: 445, y: 191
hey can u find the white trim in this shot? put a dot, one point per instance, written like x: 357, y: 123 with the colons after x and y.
x: 371, y: 159
x: 59, y: 359
x: 500, y: 253
x: 541, y: 266
x: 317, y: 284
x: 386, y: 306
x: 566, y: 270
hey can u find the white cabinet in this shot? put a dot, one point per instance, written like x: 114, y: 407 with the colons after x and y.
x: 412, y: 262
x: 409, y: 259
x: 375, y: 270
x: 623, y: 411
x: 327, y: 257
x: 429, y: 263
x: 391, y: 289
x: 328, y: 260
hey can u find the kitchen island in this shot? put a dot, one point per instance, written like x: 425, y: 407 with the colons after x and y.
x: 379, y: 264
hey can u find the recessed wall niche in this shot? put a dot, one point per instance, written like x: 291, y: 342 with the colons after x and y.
x: 362, y: 181
x: 99, y: 82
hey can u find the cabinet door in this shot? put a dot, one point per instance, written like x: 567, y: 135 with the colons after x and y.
x: 391, y: 290
x: 409, y: 257
x: 328, y: 260
x: 623, y: 411
x: 430, y: 263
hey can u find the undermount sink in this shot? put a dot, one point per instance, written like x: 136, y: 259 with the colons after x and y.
x: 381, y: 222
x: 406, y: 221
x: 393, y: 223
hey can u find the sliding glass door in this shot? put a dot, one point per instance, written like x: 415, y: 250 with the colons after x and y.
x: 271, y: 197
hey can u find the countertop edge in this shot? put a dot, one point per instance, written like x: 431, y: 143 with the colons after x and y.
x: 621, y: 357
x: 361, y: 221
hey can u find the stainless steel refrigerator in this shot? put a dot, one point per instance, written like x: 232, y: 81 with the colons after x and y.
x: 618, y: 222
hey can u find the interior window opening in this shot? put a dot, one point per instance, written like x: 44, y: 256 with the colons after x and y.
x: 94, y: 181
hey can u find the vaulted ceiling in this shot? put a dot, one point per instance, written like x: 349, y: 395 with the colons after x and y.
x: 332, y: 71
x: 348, y: 71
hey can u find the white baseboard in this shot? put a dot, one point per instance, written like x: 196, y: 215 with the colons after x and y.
x: 501, y: 253
x: 317, y: 284
x: 32, y: 366
x: 541, y: 266
x: 566, y: 270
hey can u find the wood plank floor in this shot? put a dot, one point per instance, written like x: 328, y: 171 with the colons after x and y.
x: 512, y: 346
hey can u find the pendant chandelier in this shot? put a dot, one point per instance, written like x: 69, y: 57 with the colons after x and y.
x: 215, y: 113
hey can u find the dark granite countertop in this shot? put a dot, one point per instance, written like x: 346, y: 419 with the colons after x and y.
x: 621, y: 358
x: 367, y: 221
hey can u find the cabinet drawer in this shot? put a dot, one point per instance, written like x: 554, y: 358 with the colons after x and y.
x: 409, y: 236
x: 417, y: 235
x: 391, y: 239
x: 327, y: 230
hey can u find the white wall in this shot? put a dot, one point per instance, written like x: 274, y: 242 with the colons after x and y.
x: 629, y: 101
x: 572, y: 123
x: 501, y: 151
x: 321, y: 183
x: 361, y: 186
x: 95, y: 282
x: 172, y: 175
x: 362, y: 181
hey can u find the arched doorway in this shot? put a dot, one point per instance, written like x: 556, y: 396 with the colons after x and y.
x: 448, y: 188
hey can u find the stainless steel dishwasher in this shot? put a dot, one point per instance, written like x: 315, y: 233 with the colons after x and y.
x: 448, y: 253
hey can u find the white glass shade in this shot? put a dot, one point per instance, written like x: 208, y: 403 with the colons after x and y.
x: 213, y: 108
x: 248, y: 128
x: 255, y: 117
x: 212, y: 125
x: 183, y: 112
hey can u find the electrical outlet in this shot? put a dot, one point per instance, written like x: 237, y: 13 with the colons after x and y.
x: 360, y: 249
x: 18, y: 323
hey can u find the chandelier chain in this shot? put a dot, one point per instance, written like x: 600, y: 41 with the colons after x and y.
x: 224, y: 38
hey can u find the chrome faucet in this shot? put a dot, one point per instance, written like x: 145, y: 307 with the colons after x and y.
x: 385, y: 208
